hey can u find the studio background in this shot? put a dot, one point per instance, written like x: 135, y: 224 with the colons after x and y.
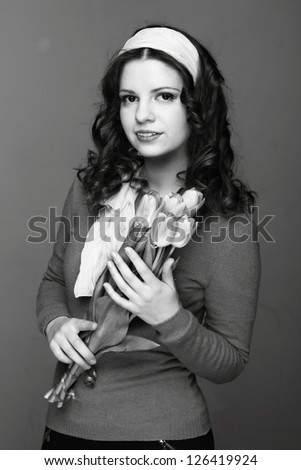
x: 52, y: 56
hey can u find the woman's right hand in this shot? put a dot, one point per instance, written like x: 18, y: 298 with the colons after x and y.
x: 64, y: 341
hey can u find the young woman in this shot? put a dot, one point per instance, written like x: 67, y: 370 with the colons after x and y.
x: 162, y: 126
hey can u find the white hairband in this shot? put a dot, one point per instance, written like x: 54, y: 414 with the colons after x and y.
x: 170, y: 41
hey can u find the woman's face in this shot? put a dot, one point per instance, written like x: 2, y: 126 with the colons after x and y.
x: 152, y: 115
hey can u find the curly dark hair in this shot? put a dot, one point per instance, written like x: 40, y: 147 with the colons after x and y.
x: 211, y: 167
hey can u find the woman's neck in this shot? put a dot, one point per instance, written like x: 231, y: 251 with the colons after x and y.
x: 162, y: 175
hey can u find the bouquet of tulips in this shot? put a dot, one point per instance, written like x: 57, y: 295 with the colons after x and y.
x: 160, y: 225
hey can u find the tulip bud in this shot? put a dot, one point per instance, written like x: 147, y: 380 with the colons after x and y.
x: 185, y: 228
x: 193, y: 200
x: 173, y: 204
x: 149, y: 206
x: 161, y: 233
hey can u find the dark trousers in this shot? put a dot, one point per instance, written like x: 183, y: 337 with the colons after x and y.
x: 53, y: 440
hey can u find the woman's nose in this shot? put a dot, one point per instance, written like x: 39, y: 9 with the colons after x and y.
x: 144, y: 111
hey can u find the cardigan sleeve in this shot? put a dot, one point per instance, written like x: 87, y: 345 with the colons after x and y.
x: 218, y: 349
x: 51, y: 297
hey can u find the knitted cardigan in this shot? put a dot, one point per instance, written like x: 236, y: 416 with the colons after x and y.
x: 154, y: 394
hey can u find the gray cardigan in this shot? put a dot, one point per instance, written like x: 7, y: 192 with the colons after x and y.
x: 151, y: 395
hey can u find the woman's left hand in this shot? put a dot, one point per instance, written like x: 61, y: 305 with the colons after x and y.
x: 152, y: 300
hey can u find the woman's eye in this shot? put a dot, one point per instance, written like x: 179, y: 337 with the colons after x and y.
x: 166, y: 97
x: 128, y: 99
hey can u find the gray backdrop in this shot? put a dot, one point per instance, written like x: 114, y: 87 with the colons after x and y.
x: 52, y: 55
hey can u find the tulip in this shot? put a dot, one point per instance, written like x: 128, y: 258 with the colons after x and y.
x: 161, y: 233
x: 185, y: 227
x: 149, y: 207
x: 193, y: 200
x: 160, y: 225
x: 173, y: 204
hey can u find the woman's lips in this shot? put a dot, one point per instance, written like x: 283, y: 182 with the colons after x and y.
x: 147, y: 136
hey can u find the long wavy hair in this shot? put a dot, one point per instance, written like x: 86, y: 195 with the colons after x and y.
x: 212, y: 163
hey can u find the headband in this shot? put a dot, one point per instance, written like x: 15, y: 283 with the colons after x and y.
x: 167, y: 40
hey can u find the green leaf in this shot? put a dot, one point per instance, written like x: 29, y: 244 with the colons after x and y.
x: 113, y: 324
x: 131, y: 343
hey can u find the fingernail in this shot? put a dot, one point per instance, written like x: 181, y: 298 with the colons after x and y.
x: 128, y: 250
x: 113, y: 254
x: 93, y: 361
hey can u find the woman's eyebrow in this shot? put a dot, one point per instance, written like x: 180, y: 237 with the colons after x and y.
x: 126, y: 91
x: 165, y: 88
x: 155, y: 90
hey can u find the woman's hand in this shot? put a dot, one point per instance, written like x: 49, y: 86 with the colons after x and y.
x: 154, y: 301
x: 65, y: 343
